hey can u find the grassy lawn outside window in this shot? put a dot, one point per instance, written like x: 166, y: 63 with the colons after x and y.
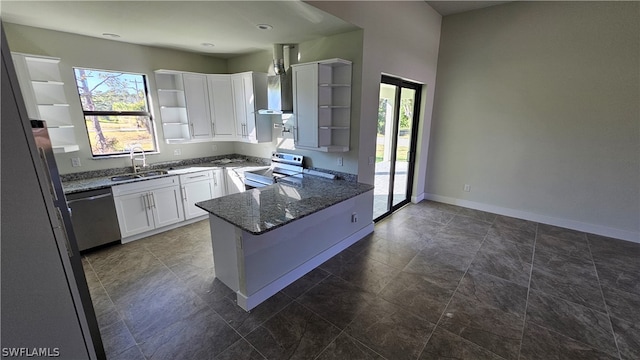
x: 116, y: 111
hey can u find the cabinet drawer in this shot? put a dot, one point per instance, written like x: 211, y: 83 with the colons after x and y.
x: 196, y: 176
x: 145, y: 185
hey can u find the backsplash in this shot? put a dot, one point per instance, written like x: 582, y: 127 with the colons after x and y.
x: 339, y: 175
x: 160, y: 165
x: 196, y: 161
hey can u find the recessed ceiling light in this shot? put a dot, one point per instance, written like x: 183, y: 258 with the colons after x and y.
x: 264, y: 26
x: 111, y: 35
x: 207, y: 44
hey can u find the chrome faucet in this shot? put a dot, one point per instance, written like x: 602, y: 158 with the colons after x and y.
x: 132, y: 153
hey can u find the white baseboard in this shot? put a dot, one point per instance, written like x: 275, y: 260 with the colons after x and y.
x: 249, y: 302
x: 565, y: 223
x: 417, y: 198
x: 163, y: 229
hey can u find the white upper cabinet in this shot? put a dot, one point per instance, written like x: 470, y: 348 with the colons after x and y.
x: 44, y: 95
x: 213, y: 107
x: 305, y: 105
x: 184, y: 106
x: 173, y: 108
x: 221, y: 106
x: 322, y: 105
x: 196, y: 95
x: 250, y: 95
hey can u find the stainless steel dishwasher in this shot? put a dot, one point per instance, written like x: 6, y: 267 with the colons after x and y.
x: 94, y: 218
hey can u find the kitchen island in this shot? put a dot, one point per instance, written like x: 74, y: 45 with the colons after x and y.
x: 266, y: 238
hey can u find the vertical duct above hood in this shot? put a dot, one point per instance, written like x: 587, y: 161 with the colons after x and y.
x: 279, y: 88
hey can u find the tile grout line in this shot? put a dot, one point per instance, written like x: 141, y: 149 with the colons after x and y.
x: 325, y: 348
x: 206, y: 303
x: 526, y: 306
x: 606, y: 306
x: 453, y: 294
x: 120, y: 317
x: 330, y: 323
x: 346, y: 334
x: 580, y: 305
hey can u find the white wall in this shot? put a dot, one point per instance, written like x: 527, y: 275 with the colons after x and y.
x: 84, y: 51
x: 346, y: 46
x: 537, y: 108
x: 401, y: 38
x: 77, y: 50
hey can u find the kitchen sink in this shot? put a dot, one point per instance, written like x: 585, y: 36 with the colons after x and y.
x: 153, y: 173
x: 139, y: 175
x: 124, y: 177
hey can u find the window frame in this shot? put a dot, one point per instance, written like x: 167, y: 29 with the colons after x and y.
x: 149, y: 113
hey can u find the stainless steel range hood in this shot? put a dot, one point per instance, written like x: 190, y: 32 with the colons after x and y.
x: 279, y: 88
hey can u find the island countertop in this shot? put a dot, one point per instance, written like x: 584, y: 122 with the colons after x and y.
x: 264, y: 209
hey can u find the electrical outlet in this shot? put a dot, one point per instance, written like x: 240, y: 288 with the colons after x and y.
x: 340, y: 161
x: 177, y: 152
x: 75, y: 162
x: 467, y: 187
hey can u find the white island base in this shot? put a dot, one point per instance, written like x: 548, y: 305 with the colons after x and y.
x: 258, y: 266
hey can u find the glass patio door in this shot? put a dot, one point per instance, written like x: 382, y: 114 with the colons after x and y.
x: 398, y: 111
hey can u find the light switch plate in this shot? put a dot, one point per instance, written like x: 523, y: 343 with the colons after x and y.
x: 75, y: 162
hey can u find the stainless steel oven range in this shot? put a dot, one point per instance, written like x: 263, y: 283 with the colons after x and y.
x: 282, y: 166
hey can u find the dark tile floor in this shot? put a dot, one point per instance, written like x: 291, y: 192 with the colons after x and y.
x: 433, y: 281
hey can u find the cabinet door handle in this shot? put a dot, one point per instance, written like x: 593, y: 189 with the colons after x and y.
x: 145, y: 200
x: 153, y: 200
x: 191, y: 131
x: 88, y: 198
x: 52, y: 188
x: 196, y: 176
x: 215, y: 181
x: 64, y: 232
x: 213, y: 129
x: 295, y: 134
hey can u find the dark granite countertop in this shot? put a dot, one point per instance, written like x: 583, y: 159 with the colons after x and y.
x: 264, y: 209
x: 102, y: 182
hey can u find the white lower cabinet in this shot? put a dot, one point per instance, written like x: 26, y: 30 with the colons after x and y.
x: 200, y: 186
x: 147, y: 205
x: 235, y: 183
x: 219, y: 184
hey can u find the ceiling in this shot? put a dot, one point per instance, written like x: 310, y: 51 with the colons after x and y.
x: 445, y: 8
x: 184, y: 25
x: 230, y: 26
